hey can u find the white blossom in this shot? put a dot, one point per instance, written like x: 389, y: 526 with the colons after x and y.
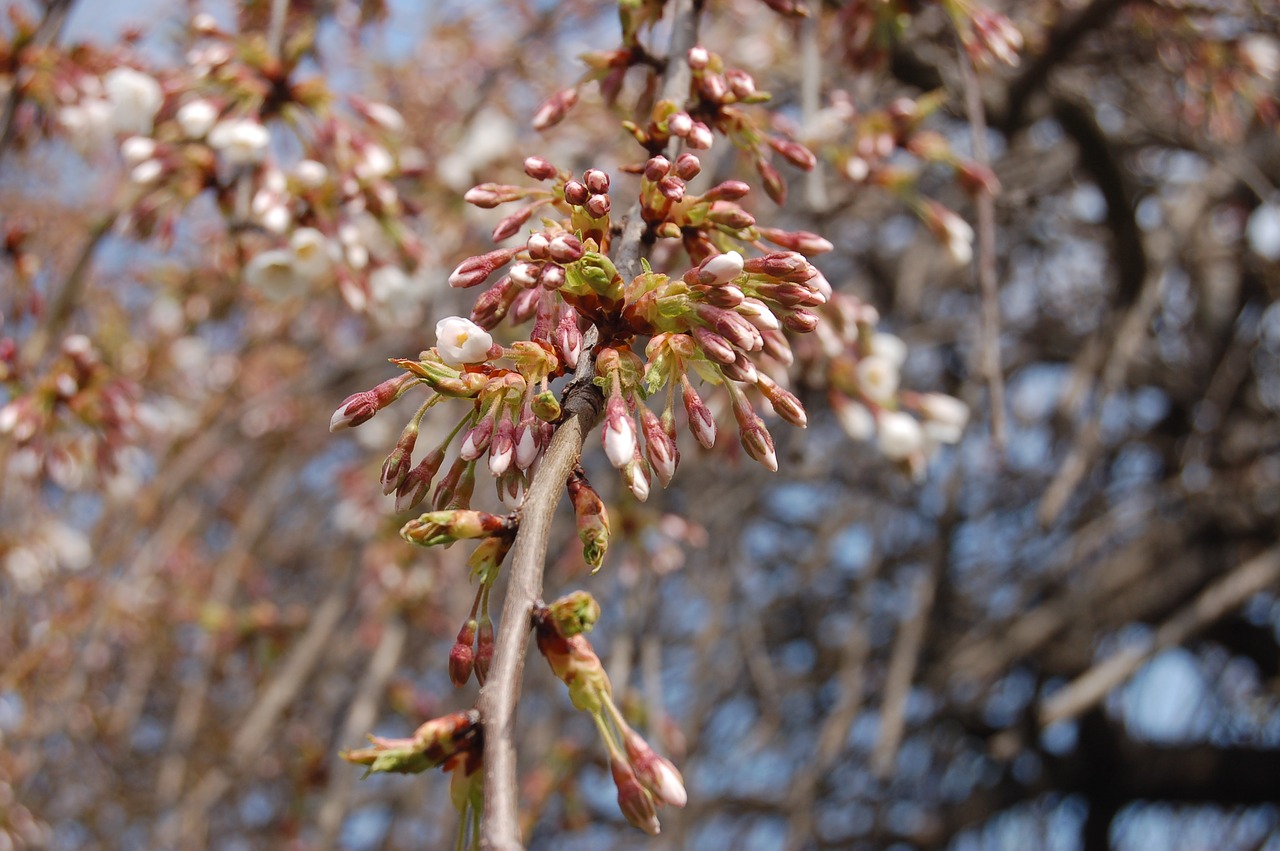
x: 197, y: 118
x: 890, y: 347
x: 900, y: 435
x: 385, y: 116
x: 135, y: 99
x: 1263, y: 53
x: 312, y: 257
x: 375, y: 162
x: 460, y: 341
x: 878, y: 378
x: 273, y: 274
x: 387, y: 284
x: 137, y: 149
x: 855, y: 419
x: 146, y: 172
x: 311, y: 174
x: 241, y: 141
x: 619, y: 440
x: 88, y: 123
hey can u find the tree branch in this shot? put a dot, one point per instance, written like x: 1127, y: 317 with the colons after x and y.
x: 583, y: 406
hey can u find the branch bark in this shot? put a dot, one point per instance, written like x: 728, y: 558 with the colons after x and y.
x: 583, y: 406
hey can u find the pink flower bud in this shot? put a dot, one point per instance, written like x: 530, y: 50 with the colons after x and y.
x: 576, y: 193
x: 539, y: 169
x: 619, y: 434
x: 462, y: 656
x: 757, y: 441
x: 698, y: 57
x: 784, y: 402
x: 655, y: 773
x: 795, y: 153
x: 671, y: 188
x: 492, y: 305
x: 660, y: 450
x: 713, y: 345
x: 417, y: 481
x: 597, y: 206
x: 596, y: 180
x: 360, y: 407
x: 777, y: 347
x: 801, y: 320
x: 636, y: 475
x: 567, y: 338
x: 502, y: 449
x: 721, y: 269
x: 742, y: 369
x: 525, y: 274
x: 713, y: 88
x: 787, y: 265
x: 554, y: 109
x: 477, y: 269
x: 700, y: 136
x: 742, y: 84
x: 804, y: 242
x: 552, y: 277
x: 688, y: 166
x: 773, y: 185
x: 730, y: 215
x: 656, y: 168
x: 477, y: 439
x: 526, y: 445
x: 565, y: 248
x: 538, y: 246
x: 701, y: 423
x: 727, y: 191
x: 512, y: 223
x: 633, y: 799
x: 489, y: 195
x: 397, y: 465
x: 680, y: 124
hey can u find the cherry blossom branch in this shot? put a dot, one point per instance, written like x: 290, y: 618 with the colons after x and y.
x: 583, y: 406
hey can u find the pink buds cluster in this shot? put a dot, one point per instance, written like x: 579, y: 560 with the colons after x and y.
x: 644, y: 779
x: 433, y: 744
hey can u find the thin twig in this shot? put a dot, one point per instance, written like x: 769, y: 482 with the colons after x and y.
x: 986, y: 261
x: 55, y: 17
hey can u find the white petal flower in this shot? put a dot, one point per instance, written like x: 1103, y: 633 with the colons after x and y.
x: 385, y: 116
x: 375, y: 162
x: 890, y: 347
x: 959, y: 237
x: 273, y: 274
x: 944, y: 410
x: 276, y: 218
x: 311, y: 174
x: 197, y: 118
x: 146, y: 172
x: 855, y: 419
x: 389, y: 283
x: 900, y: 435
x: 460, y: 341
x: 241, y: 141
x: 877, y: 378
x: 137, y: 149
x: 311, y: 253
x: 135, y: 99
x: 1263, y: 53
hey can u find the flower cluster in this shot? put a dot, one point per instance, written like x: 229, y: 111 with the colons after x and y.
x: 863, y: 375
x: 325, y: 214
x: 644, y: 780
x: 454, y: 743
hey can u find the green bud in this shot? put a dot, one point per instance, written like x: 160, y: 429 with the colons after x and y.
x: 575, y: 613
x: 546, y: 406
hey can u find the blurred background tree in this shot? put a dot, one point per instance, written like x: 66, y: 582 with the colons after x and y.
x: 219, y: 221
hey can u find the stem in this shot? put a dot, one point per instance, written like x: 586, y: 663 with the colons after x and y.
x: 583, y: 406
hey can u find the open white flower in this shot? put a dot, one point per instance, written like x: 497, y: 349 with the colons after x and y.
x: 197, y: 118
x: 312, y: 253
x: 88, y: 123
x: 241, y: 141
x: 878, y: 378
x: 460, y: 341
x: 890, y: 347
x: 900, y: 435
x: 135, y: 99
x: 273, y: 274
